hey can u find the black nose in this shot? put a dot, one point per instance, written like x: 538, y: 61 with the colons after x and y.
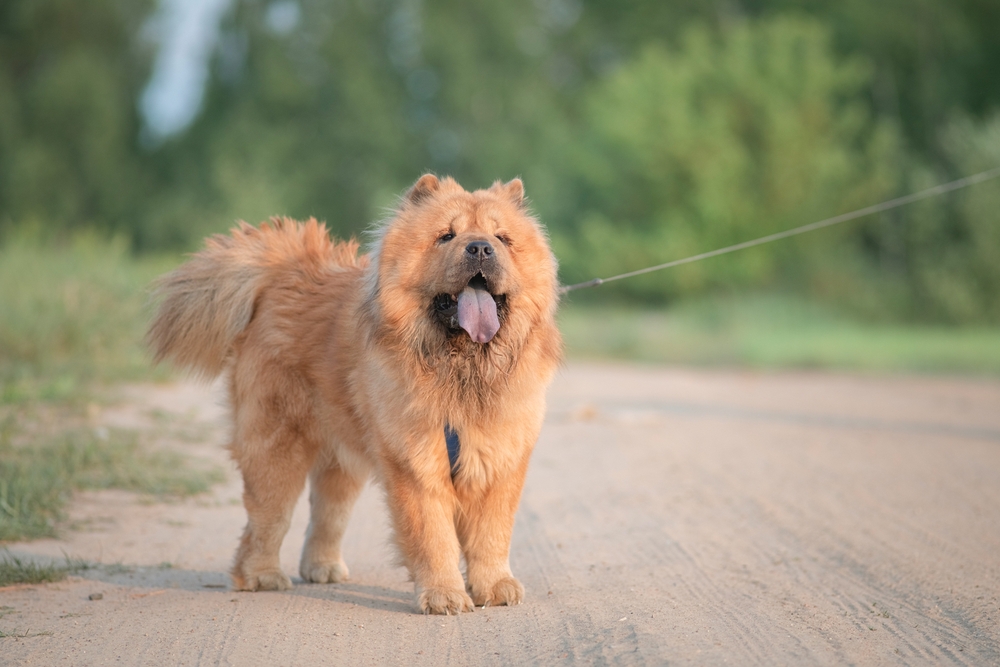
x: 479, y: 249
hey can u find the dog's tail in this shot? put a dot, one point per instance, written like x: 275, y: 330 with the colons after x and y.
x: 207, y: 302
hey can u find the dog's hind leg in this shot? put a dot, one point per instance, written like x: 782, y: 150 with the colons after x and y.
x: 273, y: 480
x: 332, y: 492
x: 275, y: 445
x: 271, y: 485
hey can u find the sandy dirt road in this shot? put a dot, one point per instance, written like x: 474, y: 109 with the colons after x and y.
x: 670, y: 517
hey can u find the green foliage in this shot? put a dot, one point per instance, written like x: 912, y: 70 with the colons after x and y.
x: 335, y: 118
x: 733, y: 136
x: 70, y: 74
x: 938, y: 260
x: 38, y: 477
x: 930, y: 57
x: 306, y: 124
x: 644, y: 133
x: 71, y: 316
x: 956, y: 254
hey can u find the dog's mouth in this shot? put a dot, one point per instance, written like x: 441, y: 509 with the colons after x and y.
x: 474, y: 309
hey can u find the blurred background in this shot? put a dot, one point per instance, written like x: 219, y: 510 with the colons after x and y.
x: 644, y: 131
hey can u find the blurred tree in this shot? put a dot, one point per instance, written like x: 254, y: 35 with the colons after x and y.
x: 70, y: 74
x: 640, y: 136
x: 946, y: 251
x: 738, y: 133
x: 331, y: 109
x: 930, y: 57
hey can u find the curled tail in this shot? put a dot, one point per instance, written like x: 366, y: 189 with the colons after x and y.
x: 207, y: 302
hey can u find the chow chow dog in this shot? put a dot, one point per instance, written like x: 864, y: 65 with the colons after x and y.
x: 423, y: 363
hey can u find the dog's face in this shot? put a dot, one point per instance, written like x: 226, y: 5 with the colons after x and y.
x: 465, y: 267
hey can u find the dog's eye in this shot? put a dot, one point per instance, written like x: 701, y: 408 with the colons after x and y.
x: 445, y: 238
x: 504, y: 239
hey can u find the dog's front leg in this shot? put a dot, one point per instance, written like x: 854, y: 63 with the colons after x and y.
x: 422, y: 502
x: 485, y: 523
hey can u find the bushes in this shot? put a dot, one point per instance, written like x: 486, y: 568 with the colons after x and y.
x: 953, y: 246
x: 644, y: 133
x: 730, y: 137
x: 755, y: 129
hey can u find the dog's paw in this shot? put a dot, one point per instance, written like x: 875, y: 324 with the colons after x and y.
x: 444, y: 601
x: 507, y: 591
x: 324, y: 573
x: 262, y: 581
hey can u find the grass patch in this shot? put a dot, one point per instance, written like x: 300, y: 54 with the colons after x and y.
x: 72, y: 320
x: 774, y: 332
x: 14, y: 570
x: 72, y: 316
x: 38, y: 477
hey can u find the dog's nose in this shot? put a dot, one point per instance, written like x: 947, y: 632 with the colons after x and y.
x: 479, y: 249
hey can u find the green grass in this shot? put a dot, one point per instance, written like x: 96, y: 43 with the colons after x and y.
x: 14, y: 570
x: 38, y: 476
x: 764, y: 331
x: 72, y: 317
x: 72, y: 320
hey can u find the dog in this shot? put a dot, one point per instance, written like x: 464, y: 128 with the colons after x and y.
x: 423, y: 363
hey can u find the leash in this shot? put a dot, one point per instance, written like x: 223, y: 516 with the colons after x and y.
x: 452, y: 441
x: 835, y: 220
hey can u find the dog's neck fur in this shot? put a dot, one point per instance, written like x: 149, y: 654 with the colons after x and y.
x: 469, y: 373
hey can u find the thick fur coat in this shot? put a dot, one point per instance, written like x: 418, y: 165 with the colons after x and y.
x: 342, y: 367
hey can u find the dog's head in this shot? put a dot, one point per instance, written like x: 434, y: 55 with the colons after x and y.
x: 471, y: 268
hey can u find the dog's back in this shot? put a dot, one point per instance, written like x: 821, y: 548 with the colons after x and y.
x: 207, y: 302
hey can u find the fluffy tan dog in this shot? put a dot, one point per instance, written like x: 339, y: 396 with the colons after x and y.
x: 342, y: 367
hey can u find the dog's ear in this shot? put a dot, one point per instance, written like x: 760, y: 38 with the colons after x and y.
x: 425, y: 186
x: 513, y: 191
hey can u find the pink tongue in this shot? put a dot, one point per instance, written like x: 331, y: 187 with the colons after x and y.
x: 477, y: 314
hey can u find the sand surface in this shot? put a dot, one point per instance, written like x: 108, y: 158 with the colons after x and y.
x: 670, y: 517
